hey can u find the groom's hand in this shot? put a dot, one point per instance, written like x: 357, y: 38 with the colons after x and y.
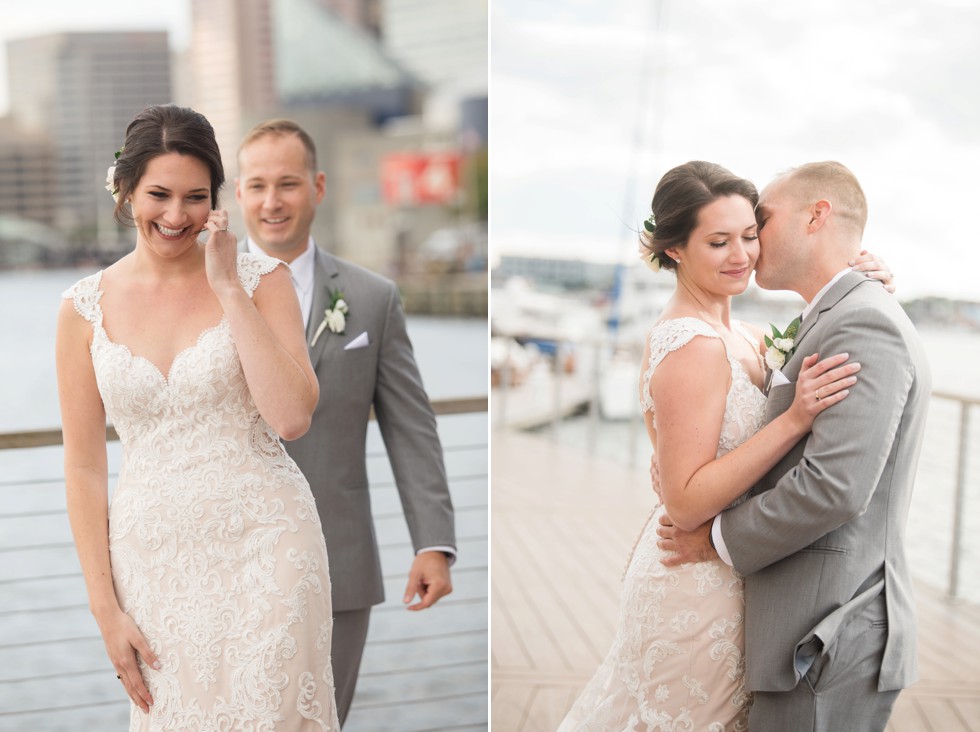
x: 429, y: 579
x: 684, y: 546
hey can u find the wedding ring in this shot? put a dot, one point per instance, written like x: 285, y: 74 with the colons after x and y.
x: 119, y: 677
x: 818, y: 395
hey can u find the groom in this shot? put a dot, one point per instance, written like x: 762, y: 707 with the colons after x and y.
x: 363, y: 359
x: 829, y: 618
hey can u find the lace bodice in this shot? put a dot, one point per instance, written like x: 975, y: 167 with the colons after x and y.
x: 214, y: 538
x: 745, y: 405
x: 205, y: 382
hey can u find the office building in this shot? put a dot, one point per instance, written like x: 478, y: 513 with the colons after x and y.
x: 80, y: 91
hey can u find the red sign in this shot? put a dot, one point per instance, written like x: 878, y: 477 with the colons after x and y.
x: 409, y: 179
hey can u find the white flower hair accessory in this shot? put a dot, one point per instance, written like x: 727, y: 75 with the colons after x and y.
x: 334, y: 317
x: 110, y: 178
x: 651, y: 259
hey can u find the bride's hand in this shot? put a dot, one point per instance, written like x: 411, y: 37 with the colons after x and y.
x: 821, y: 384
x: 123, y: 642
x: 874, y: 268
x: 221, y: 254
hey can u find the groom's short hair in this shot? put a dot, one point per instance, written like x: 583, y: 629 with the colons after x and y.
x: 833, y: 181
x: 282, y: 128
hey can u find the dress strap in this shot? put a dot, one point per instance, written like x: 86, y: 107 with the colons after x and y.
x: 251, y: 267
x: 747, y: 335
x: 85, y: 295
x: 665, y: 338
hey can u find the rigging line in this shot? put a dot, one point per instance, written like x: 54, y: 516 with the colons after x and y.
x: 645, y: 86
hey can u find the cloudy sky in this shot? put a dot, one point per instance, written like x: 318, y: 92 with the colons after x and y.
x: 593, y: 100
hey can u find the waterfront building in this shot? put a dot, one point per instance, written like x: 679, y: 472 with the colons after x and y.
x: 232, y: 67
x: 80, y: 90
x: 323, y: 65
x: 27, y: 173
x: 557, y: 273
x: 442, y: 42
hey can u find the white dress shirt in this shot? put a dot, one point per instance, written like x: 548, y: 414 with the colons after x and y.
x: 716, y: 536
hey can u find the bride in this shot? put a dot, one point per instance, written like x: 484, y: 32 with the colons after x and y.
x: 676, y: 662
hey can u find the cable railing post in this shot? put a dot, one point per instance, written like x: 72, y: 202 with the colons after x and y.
x: 634, y: 429
x: 958, y: 501
x: 597, y: 351
x: 556, y: 417
x: 500, y: 407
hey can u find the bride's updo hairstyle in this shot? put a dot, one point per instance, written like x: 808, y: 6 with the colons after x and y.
x: 679, y: 198
x: 159, y: 130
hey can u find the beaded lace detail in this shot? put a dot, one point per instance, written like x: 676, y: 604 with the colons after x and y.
x: 216, y: 547
x: 745, y: 405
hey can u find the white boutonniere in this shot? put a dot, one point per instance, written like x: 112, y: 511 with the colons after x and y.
x: 334, y: 317
x: 780, y: 347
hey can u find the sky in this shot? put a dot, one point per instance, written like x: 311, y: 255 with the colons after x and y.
x: 593, y: 100
x: 27, y: 18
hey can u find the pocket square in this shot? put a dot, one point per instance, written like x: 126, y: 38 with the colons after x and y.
x: 778, y: 378
x: 360, y: 342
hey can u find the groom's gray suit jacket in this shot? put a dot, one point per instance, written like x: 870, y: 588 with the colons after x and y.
x: 823, y: 534
x: 331, y: 455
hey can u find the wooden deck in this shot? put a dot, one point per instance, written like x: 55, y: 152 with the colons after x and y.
x: 562, y: 527
x: 421, y: 672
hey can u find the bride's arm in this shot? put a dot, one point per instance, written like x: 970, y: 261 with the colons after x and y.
x: 689, y: 390
x: 86, y: 494
x: 268, y: 333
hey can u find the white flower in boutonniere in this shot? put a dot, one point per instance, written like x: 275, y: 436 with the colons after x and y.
x: 334, y: 317
x: 780, y: 347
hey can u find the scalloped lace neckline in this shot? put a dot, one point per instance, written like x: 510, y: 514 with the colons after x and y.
x: 165, y: 376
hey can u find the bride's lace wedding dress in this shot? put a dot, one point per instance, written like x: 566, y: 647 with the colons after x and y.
x: 676, y: 662
x: 214, y: 539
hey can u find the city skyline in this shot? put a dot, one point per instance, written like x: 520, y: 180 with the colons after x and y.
x: 43, y: 17
x: 249, y: 60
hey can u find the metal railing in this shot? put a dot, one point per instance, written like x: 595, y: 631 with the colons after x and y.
x: 49, y: 437
x: 965, y: 406
x: 40, y: 691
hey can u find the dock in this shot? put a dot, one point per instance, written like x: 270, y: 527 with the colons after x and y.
x: 422, y: 671
x: 540, y: 401
x: 563, y: 523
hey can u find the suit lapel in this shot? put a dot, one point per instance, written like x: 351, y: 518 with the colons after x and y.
x: 833, y: 296
x: 325, y: 278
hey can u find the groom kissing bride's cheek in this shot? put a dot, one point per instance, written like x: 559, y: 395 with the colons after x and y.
x: 770, y: 590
